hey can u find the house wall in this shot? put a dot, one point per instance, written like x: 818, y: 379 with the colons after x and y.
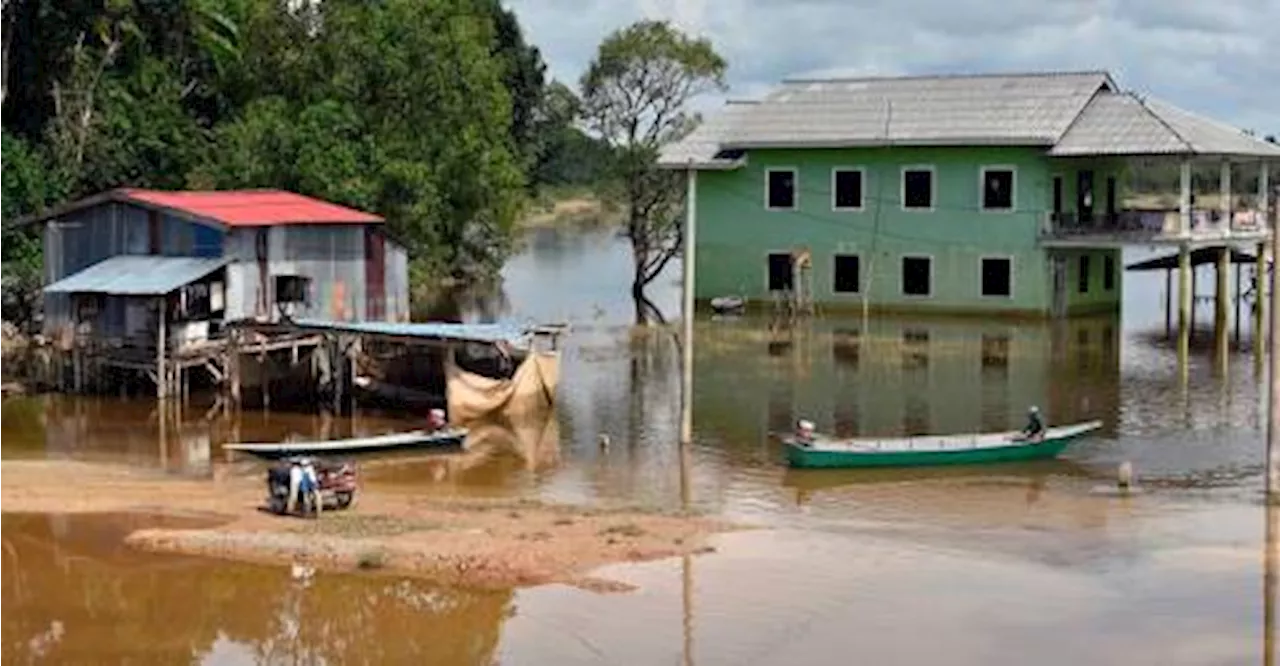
x: 736, y: 231
x: 82, y: 238
x: 397, y: 282
x: 332, y: 255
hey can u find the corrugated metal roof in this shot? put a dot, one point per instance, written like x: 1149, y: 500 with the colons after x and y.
x: 137, y: 275
x: 252, y: 208
x: 486, y: 333
x: 1124, y: 124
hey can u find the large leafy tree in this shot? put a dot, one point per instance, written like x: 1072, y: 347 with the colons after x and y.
x: 636, y: 95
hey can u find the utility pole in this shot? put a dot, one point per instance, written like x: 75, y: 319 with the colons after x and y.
x: 1273, y: 414
x: 688, y: 312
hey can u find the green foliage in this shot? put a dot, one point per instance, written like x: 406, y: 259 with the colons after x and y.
x: 432, y: 114
x: 635, y: 96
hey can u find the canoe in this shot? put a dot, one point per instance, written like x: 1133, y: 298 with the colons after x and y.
x: 728, y: 304
x: 412, y: 439
x: 971, y: 449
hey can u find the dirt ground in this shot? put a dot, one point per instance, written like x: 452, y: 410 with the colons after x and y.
x: 472, y: 543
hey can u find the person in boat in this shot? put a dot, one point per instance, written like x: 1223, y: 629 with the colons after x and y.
x: 1034, y: 430
x: 436, y: 420
x: 804, y: 432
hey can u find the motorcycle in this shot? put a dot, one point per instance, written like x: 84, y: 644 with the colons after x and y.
x: 337, y: 486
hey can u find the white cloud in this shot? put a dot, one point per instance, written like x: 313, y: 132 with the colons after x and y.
x: 1219, y: 58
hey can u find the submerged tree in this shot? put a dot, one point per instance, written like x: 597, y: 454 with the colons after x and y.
x: 635, y: 95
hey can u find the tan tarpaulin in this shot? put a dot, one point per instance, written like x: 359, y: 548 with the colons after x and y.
x: 531, y: 389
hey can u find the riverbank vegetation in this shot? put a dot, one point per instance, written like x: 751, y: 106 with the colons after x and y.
x: 437, y: 115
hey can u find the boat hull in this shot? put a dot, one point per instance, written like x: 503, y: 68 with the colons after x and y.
x: 376, y: 444
x: 819, y: 457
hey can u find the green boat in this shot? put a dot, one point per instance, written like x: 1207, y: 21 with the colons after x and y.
x: 819, y: 451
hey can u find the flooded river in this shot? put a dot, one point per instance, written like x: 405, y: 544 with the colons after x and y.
x: 1025, y: 563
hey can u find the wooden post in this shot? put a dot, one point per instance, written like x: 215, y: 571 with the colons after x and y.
x: 688, y: 314
x: 1270, y: 560
x: 1259, y: 299
x: 1168, y: 303
x: 162, y: 375
x: 233, y: 368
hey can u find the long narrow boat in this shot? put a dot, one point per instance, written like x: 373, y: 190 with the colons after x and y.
x: 402, y: 440
x: 823, y: 451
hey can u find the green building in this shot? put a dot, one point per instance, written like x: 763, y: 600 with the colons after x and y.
x: 975, y: 193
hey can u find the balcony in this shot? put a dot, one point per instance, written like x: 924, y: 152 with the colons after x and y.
x: 1145, y: 227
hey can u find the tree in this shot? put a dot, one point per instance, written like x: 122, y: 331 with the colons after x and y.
x: 635, y: 95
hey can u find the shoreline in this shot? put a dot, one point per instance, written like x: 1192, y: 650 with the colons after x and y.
x: 471, y: 543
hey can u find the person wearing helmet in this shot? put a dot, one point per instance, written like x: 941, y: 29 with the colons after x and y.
x: 1034, y: 430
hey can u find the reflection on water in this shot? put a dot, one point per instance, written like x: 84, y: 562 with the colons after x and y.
x: 93, y: 600
x: 865, y: 552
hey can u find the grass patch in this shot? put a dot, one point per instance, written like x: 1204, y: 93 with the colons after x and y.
x: 354, y: 525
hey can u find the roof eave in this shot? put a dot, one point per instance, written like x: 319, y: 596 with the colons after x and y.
x: 703, y: 165
x: 1037, y: 142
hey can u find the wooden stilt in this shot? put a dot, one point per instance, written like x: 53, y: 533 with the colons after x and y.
x: 1260, y: 300
x: 162, y: 375
x: 1239, y: 297
x: 1168, y: 303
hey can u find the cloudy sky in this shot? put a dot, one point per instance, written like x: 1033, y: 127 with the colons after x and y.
x: 1217, y: 57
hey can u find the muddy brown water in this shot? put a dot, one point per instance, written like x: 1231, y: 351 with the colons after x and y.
x: 1025, y: 563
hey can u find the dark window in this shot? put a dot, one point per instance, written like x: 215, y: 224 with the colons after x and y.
x: 1057, y: 195
x: 846, y: 274
x: 782, y: 189
x: 780, y: 271
x: 1084, y: 195
x: 997, y: 189
x: 997, y: 277
x: 1109, y: 273
x: 917, y: 188
x: 916, y: 278
x: 847, y: 187
x: 1111, y: 196
x: 1082, y: 277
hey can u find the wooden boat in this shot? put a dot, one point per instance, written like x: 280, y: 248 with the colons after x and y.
x: 728, y: 304
x: 448, y: 437
x: 821, y: 451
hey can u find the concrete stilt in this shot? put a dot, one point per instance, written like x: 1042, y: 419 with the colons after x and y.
x: 1184, y: 305
x: 1259, y: 300
x: 1221, y: 334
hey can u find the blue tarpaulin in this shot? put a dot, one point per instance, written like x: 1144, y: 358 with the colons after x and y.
x: 484, y: 333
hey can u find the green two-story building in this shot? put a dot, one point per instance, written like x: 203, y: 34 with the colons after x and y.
x: 976, y: 193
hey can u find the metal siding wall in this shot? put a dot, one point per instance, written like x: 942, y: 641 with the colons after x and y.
x: 397, y: 282
x: 333, y: 257
x: 78, y: 240
x: 242, y: 274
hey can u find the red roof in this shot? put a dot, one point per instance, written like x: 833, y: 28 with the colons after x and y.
x: 250, y: 208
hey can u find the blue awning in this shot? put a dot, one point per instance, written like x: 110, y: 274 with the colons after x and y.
x: 137, y: 275
x: 483, y: 333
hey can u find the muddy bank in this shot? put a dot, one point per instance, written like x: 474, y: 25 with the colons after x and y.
x: 473, y: 543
